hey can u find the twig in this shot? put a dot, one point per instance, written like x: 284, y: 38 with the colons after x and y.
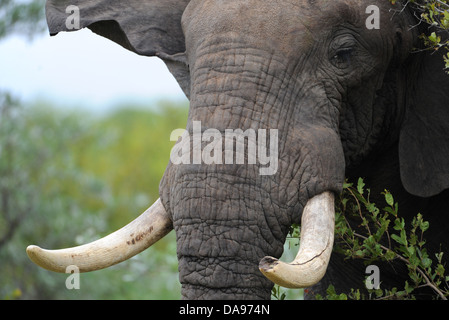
x: 405, y: 260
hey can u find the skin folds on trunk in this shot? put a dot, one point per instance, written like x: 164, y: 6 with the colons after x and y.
x: 228, y: 217
x: 222, y: 237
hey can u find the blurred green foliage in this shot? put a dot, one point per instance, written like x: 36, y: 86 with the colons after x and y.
x: 26, y: 17
x: 69, y: 177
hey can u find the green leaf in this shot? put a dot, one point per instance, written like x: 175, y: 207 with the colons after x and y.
x: 439, y: 256
x: 440, y: 270
x: 371, y: 207
x: 390, y: 255
x: 389, y: 198
x: 359, y: 253
x: 409, y: 289
x: 347, y: 185
x: 399, y: 224
x: 360, y: 186
x: 399, y: 239
x: 426, y: 262
x: 434, y: 39
x: 424, y: 226
x: 332, y: 294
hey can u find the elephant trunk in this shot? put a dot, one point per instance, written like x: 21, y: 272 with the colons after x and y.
x: 228, y: 217
x: 223, y: 230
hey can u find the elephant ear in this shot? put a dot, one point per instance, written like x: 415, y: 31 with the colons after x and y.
x: 146, y: 27
x: 424, y: 137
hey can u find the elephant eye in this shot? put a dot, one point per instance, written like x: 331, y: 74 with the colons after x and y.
x: 342, y: 58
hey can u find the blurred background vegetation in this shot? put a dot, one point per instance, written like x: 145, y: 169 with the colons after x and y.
x: 69, y: 176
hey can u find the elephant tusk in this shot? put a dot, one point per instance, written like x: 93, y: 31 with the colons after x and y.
x: 138, y: 235
x: 316, y: 243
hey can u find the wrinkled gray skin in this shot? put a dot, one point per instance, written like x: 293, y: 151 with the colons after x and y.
x: 346, y: 101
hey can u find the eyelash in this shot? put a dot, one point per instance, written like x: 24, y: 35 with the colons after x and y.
x: 342, y: 57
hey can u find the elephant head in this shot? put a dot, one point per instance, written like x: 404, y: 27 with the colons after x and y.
x: 331, y: 90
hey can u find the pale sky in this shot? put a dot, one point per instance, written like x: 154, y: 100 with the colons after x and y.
x: 82, y: 68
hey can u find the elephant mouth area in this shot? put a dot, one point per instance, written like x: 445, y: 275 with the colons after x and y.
x: 226, y: 223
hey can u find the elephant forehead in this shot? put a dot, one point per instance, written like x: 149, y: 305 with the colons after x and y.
x: 256, y: 20
x: 287, y: 26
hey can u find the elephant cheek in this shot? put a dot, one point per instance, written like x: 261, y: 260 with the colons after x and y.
x: 313, y: 163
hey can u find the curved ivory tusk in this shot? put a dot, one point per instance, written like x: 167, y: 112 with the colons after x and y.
x: 317, y: 238
x: 138, y: 235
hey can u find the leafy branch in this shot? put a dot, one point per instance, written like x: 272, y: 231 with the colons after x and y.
x: 384, y: 236
x: 434, y: 14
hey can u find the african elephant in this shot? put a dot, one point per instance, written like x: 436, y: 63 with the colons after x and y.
x: 345, y: 100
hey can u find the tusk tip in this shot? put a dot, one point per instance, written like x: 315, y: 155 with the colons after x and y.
x: 32, y: 250
x: 267, y: 264
x: 35, y: 254
x: 289, y: 275
x: 40, y: 257
x: 269, y: 267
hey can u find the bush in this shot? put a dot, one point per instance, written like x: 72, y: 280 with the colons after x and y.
x: 405, y: 243
x: 68, y: 178
x: 434, y: 14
